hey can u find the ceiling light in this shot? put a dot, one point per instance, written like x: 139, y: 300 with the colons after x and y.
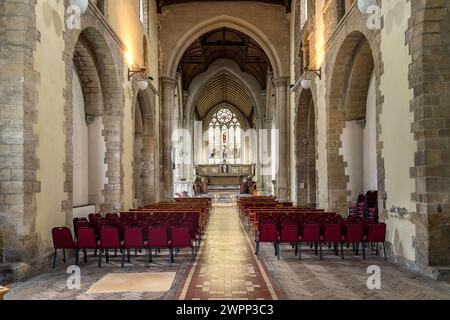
x: 143, y: 85
x: 306, y: 84
x: 82, y: 4
x: 144, y: 79
x: 364, y: 5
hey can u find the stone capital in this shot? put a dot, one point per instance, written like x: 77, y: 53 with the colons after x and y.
x: 168, y: 82
x: 281, y: 82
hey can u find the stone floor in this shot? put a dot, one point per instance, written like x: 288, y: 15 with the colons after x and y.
x: 226, y: 268
x: 53, y: 284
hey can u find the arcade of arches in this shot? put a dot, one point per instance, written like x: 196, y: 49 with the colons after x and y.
x: 145, y: 101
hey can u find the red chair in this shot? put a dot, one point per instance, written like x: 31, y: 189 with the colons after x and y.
x: 86, y: 240
x: 377, y: 235
x: 181, y: 238
x: 311, y: 234
x: 109, y: 239
x: 77, y: 220
x: 158, y: 238
x: 113, y: 216
x: 62, y: 239
x: 267, y: 233
x: 133, y: 239
x: 354, y: 235
x: 289, y: 234
x: 332, y: 234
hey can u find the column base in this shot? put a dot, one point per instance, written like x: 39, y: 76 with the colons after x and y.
x: 10, y: 272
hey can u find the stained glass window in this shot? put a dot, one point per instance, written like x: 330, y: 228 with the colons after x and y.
x: 224, y: 138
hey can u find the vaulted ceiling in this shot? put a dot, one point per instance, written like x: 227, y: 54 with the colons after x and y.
x: 163, y: 3
x: 224, y: 89
x: 224, y: 43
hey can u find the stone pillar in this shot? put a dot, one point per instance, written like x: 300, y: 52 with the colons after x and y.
x: 189, y: 126
x: 20, y: 246
x: 168, y: 87
x: 259, y: 154
x: 281, y: 97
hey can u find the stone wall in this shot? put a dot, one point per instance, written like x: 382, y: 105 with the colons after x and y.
x: 429, y: 39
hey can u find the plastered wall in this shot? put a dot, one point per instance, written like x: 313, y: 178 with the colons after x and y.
x: 50, y: 120
x: 123, y: 17
x: 398, y: 141
x: 396, y: 137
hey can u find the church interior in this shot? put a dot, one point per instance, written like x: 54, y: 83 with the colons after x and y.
x: 224, y: 150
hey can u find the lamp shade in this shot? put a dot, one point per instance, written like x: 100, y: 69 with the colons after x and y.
x: 82, y: 4
x: 306, y: 84
x: 364, y: 5
x: 143, y: 85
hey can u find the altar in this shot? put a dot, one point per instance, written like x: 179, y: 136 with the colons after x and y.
x: 225, y: 174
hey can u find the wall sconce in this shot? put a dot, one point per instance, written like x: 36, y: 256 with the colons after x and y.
x: 364, y: 5
x: 143, y: 82
x: 82, y: 4
x: 306, y: 83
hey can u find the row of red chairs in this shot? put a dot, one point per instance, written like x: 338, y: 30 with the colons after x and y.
x: 134, y: 238
x: 317, y: 234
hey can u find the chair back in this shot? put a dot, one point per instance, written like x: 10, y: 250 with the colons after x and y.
x: 62, y: 238
x: 268, y: 232
x: 354, y: 233
x: 289, y: 232
x: 86, y: 238
x: 112, y: 216
x: 158, y: 237
x: 133, y: 238
x: 181, y: 237
x: 109, y: 238
x: 377, y: 233
x: 332, y: 233
x: 311, y: 232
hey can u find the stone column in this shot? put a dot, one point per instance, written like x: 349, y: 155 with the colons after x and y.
x: 259, y: 154
x: 20, y: 245
x: 190, y: 145
x: 281, y: 98
x: 168, y: 87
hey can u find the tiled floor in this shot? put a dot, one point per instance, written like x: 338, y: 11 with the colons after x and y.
x: 226, y: 268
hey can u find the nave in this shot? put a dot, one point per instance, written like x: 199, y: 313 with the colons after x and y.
x: 226, y: 268
x: 120, y: 120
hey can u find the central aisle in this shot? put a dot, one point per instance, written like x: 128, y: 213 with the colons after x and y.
x: 226, y: 266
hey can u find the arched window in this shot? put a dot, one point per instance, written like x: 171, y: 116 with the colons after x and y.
x: 224, y: 138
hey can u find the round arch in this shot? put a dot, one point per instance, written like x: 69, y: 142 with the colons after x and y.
x: 108, y: 58
x: 353, y: 67
x: 223, y: 21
